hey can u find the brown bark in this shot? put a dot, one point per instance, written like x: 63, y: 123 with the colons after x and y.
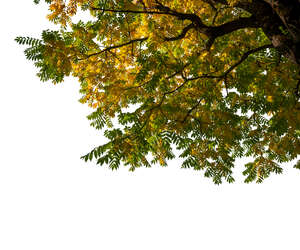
x: 288, y: 11
x: 280, y: 21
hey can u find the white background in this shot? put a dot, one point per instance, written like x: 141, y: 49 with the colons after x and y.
x: 50, y: 199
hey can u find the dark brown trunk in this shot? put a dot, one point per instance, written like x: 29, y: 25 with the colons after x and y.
x: 280, y: 21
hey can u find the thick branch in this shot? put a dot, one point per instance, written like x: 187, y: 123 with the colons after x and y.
x: 211, y: 31
x: 182, y: 34
x: 265, y: 14
x: 240, y: 23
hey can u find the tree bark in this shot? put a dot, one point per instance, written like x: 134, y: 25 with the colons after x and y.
x: 280, y: 21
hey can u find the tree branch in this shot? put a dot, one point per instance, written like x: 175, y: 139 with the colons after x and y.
x: 245, y: 56
x: 116, y: 46
x: 162, y: 10
x: 182, y: 34
x: 240, y: 23
x: 211, y: 31
x: 132, y: 11
x: 242, y: 59
x: 191, y: 110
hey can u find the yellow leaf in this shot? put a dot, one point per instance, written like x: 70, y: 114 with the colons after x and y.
x: 270, y: 98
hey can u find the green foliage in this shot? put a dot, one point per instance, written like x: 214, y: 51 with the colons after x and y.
x: 197, y: 78
x: 48, y: 55
x: 28, y: 41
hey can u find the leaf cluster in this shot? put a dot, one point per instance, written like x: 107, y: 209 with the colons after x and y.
x: 198, y: 79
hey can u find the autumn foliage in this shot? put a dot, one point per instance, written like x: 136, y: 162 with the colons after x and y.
x: 209, y: 79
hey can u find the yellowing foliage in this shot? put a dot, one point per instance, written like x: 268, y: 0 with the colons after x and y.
x: 197, y: 75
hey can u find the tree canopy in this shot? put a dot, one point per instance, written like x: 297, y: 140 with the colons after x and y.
x: 206, y: 80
